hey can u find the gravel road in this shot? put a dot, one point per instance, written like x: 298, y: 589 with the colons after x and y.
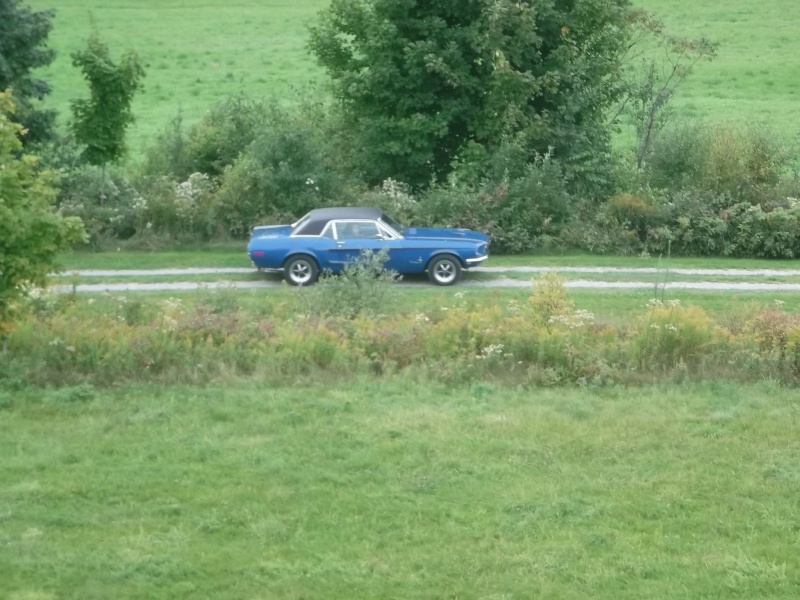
x: 273, y: 281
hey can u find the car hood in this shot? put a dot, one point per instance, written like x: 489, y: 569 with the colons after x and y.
x: 445, y: 233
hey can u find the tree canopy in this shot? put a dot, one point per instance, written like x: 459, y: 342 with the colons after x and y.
x: 424, y: 82
x: 31, y: 232
x: 23, y: 48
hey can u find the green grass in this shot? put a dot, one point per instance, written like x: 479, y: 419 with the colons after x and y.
x: 755, y: 77
x: 397, y: 489
x: 196, y: 55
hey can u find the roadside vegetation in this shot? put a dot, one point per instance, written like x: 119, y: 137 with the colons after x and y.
x: 358, y: 325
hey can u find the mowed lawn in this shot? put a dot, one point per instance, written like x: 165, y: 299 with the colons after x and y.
x: 396, y: 489
x: 195, y: 55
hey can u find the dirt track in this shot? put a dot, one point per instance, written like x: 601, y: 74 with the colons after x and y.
x: 274, y: 280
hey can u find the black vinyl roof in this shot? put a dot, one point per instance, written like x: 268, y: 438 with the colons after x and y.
x: 315, y: 221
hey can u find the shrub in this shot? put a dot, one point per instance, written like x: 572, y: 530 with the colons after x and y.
x: 362, y: 288
x: 105, y: 199
x: 717, y: 158
x: 548, y: 301
x: 209, y: 146
x: 186, y: 210
x: 670, y: 335
x: 517, y: 212
x: 285, y: 170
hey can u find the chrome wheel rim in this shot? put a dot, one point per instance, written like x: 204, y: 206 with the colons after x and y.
x: 300, y: 272
x: 444, y: 271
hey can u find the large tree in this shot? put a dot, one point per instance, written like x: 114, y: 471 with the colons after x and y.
x: 23, y: 48
x: 31, y: 231
x: 420, y: 80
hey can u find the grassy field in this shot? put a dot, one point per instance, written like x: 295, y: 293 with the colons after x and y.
x: 196, y: 55
x: 398, y: 489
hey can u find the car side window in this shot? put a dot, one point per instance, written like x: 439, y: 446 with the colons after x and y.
x: 356, y: 230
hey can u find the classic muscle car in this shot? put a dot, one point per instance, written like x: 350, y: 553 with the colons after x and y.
x: 329, y: 238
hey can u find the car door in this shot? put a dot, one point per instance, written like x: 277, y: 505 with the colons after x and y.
x: 354, y: 236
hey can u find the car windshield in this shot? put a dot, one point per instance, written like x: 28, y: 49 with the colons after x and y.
x: 393, y: 224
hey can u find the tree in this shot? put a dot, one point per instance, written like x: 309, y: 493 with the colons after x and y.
x: 23, y: 39
x: 651, y: 81
x: 420, y: 81
x: 31, y: 232
x: 100, y: 121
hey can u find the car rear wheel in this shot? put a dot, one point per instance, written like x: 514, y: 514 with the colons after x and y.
x: 300, y: 270
x: 444, y: 270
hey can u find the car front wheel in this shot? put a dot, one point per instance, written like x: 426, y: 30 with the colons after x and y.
x: 300, y: 270
x: 445, y: 270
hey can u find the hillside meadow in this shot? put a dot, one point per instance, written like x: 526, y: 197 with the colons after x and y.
x: 196, y: 55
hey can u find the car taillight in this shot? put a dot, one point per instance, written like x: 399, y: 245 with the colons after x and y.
x: 258, y: 253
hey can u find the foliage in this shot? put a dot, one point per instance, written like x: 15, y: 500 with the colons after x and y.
x: 419, y: 81
x: 520, y: 210
x: 363, y: 288
x: 671, y: 335
x: 188, y: 210
x: 287, y: 169
x: 212, y: 145
x: 260, y: 160
x: 100, y: 122
x: 105, y: 200
x: 723, y: 159
x: 348, y: 328
x: 23, y: 48
x: 549, y: 301
x: 31, y: 232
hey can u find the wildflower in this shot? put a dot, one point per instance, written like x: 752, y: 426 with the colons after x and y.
x: 491, y: 350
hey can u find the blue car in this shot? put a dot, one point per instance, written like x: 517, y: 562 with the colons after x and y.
x: 329, y: 238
